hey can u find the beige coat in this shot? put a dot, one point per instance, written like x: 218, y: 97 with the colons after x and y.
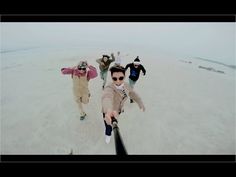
x: 114, y: 99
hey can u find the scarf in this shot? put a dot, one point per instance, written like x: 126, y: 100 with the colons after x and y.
x: 120, y: 87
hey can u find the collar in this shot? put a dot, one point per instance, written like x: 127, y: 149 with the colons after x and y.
x: 121, y: 87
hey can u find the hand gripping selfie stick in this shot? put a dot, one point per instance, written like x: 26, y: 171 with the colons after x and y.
x: 120, y: 148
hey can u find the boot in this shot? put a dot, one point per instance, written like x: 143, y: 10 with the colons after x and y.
x: 82, y: 117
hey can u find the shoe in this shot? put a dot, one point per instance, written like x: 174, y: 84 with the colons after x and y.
x: 103, y: 87
x: 131, y: 101
x: 82, y: 117
x: 108, y: 139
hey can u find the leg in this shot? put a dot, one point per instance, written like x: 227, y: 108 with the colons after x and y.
x: 105, y: 78
x: 85, y: 98
x: 80, y: 106
x: 101, y: 75
x: 131, y: 83
x: 108, y: 128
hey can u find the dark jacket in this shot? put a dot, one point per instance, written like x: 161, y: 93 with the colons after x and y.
x: 134, y: 72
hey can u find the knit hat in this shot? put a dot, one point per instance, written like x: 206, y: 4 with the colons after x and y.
x: 137, y: 61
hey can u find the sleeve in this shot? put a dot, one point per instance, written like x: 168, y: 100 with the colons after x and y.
x: 67, y: 70
x: 134, y: 96
x: 143, y: 70
x: 99, y: 61
x: 92, y: 73
x: 127, y: 66
x: 107, y: 99
x: 112, y: 58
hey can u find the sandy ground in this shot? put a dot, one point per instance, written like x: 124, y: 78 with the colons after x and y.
x: 188, y: 110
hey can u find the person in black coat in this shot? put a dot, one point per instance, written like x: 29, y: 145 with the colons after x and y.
x: 135, y: 68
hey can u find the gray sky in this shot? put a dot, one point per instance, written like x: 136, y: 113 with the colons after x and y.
x: 214, y: 41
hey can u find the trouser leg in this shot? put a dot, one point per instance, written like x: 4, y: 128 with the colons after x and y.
x: 132, y: 83
x: 80, y: 105
x: 108, y: 128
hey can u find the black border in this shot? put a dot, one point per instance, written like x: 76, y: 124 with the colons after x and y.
x: 118, y: 18
x: 119, y: 159
x: 122, y: 6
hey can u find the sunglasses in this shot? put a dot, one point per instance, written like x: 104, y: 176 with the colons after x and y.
x: 82, y: 69
x: 115, y: 78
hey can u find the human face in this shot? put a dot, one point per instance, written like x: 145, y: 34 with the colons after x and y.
x: 136, y: 65
x: 82, y: 70
x: 105, y: 59
x: 118, y: 78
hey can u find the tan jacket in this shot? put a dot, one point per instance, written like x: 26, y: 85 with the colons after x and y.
x: 114, y: 99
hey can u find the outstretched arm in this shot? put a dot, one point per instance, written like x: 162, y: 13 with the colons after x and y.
x: 67, y: 70
x: 92, y: 72
x: 127, y: 66
x: 112, y: 57
x: 134, y: 96
x: 107, y: 105
x: 99, y: 61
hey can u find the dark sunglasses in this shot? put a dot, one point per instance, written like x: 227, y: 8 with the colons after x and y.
x: 82, y: 68
x: 115, y: 78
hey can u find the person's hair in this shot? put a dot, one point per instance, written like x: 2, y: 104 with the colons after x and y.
x: 103, y: 56
x: 117, y: 68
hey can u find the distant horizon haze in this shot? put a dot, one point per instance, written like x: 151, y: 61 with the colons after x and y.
x: 213, y: 41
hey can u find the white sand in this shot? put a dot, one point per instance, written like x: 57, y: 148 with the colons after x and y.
x: 188, y: 110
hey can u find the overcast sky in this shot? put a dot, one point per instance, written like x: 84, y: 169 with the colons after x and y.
x: 214, y: 41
